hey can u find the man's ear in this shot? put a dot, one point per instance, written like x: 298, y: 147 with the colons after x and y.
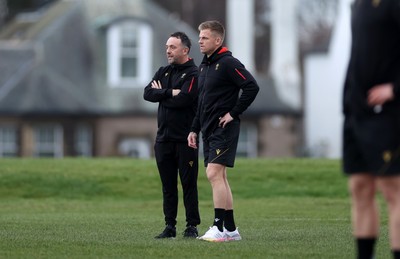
x: 219, y: 40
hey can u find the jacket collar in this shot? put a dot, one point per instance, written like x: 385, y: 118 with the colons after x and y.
x: 218, y: 53
x: 188, y: 63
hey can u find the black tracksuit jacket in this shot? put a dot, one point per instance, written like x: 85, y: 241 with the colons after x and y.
x: 375, y: 55
x: 221, y: 77
x: 175, y: 114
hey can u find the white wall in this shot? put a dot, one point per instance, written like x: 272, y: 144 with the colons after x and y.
x: 284, y: 53
x: 324, y: 77
x: 240, y: 31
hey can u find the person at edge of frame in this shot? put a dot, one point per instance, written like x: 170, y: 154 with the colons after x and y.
x: 371, y: 107
x: 221, y: 78
x: 174, y: 88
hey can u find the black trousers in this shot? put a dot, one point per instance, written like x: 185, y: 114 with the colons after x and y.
x: 173, y: 158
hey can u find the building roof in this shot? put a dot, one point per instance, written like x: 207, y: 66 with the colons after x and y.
x: 268, y: 100
x: 50, y: 71
x: 14, y: 65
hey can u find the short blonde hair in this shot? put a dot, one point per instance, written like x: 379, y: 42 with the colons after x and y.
x: 215, y: 27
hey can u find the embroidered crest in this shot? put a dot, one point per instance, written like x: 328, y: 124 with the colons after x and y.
x: 218, y: 151
x: 217, y: 67
x: 191, y: 163
x: 183, y: 75
x: 376, y: 3
x: 387, y: 156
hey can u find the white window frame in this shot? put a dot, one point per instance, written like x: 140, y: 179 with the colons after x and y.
x: 8, y: 141
x: 143, y: 55
x: 55, y: 146
x: 249, y: 145
x: 83, y: 140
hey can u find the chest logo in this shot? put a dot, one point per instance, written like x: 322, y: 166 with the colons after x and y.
x: 166, y: 74
x: 191, y: 163
x: 201, y: 70
x: 183, y: 75
x: 217, y: 66
x: 376, y: 3
x: 218, y: 151
x: 387, y: 156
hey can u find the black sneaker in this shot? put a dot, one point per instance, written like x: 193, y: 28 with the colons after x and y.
x: 190, y: 232
x: 169, y: 232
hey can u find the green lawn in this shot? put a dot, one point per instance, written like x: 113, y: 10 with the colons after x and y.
x: 112, y: 208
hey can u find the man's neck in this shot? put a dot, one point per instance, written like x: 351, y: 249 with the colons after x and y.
x: 209, y: 55
x: 184, y: 60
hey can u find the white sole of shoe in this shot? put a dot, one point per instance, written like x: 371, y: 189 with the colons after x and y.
x: 216, y: 240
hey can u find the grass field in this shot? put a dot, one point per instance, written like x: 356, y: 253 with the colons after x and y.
x: 112, y: 208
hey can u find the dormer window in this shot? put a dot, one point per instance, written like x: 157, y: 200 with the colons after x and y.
x: 129, y: 56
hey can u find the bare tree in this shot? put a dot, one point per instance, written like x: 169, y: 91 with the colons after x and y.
x: 316, y: 20
x: 194, y: 12
x: 263, y: 35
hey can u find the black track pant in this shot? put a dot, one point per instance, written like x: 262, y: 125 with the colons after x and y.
x: 174, y: 157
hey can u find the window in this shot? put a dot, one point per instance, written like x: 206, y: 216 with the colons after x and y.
x: 135, y: 147
x: 8, y: 141
x: 48, y: 141
x: 129, y: 54
x: 83, y: 140
x: 247, y: 145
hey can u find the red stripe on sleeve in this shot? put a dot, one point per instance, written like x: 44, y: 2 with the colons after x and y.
x: 240, y: 74
x: 191, y: 85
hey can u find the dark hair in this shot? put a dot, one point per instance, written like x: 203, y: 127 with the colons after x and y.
x: 215, y: 27
x: 184, y: 39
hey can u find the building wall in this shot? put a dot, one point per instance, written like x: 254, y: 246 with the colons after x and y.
x: 110, y: 131
x: 324, y: 78
x: 25, y: 132
x: 278, y: 136
x: 284, y: 53
x: 26, y: 143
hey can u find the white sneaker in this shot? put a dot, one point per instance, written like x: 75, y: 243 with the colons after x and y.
x: 232, y: 235
x: 214, y: 235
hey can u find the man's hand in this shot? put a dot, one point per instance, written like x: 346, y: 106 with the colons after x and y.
x: 175, y: 92
x: 380, y: 94
x: 156, y: 84
x: 192, y: 140
x: 223, y: 121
